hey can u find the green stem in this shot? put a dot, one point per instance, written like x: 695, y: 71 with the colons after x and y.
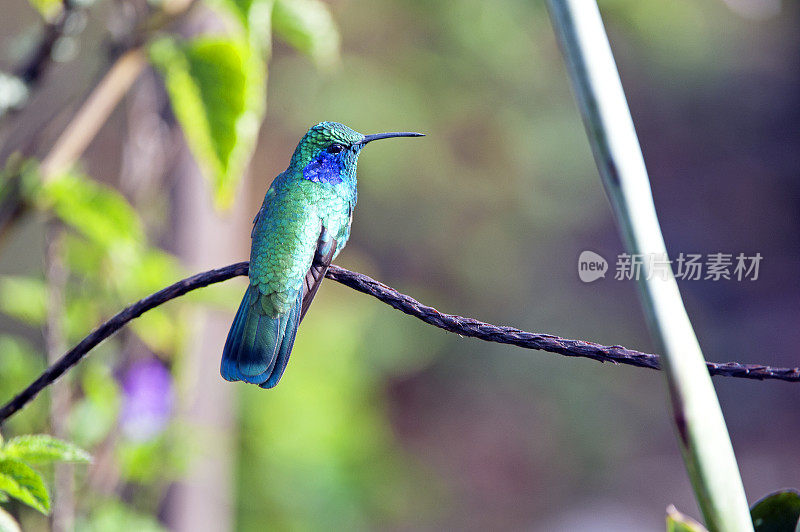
x: 702, y: 433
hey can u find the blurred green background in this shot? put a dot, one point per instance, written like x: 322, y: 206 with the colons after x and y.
x: 382, y: 422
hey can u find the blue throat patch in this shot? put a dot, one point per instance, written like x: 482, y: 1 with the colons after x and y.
x: 323, y: 169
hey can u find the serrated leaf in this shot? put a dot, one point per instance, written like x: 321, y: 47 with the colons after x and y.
x: 308, y: 26
x: 216, y: 86
x: 24, y: 298
x: 678, y: 522
x: 7, y: 521
x: 43, y: 449
x: 777, y: 512
x: 18, y: 480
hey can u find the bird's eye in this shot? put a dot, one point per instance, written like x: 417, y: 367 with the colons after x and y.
x: 335, y: 148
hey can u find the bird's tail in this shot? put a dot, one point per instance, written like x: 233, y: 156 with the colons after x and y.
x: 258, y: 346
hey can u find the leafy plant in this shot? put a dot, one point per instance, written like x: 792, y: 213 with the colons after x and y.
x: 217, y: 89
x: 20, y: 481
x: 777, y: 512
x: 678, y: 522
x: 308, y: 26
x: 217, y: 85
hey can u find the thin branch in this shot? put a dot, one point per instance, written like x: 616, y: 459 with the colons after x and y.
x: 42, y: 56
x: 408, y: 305
x: 12, y: 205
x: 94, y: 112
x: 544, y: 342
x: 78, y: 134
x: 102, y: 100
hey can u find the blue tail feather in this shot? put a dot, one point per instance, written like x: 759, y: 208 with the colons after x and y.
x: 230, y: 353
x: 293, y: 320
x: 258, y: 346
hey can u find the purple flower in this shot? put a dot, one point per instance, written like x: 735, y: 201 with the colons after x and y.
x: 147, y: 400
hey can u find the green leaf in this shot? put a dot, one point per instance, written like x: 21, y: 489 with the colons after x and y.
x: 98, y: 212
x: 153, y: 270
x: 43, y: 449
x: 159, y: 329
x: 255, y: 19
x: 164, y: 457
x: 115, y: 516
x: 677, y: 522
x: 21, y: 363
x: 4, y: 497
x: 7, y: 522
x: 777, y: 512
x: 216, y: 86
x: 308, y: 26
x: 15, y: 362
x: 23, y: 483
x: 93, y: 417
x: 24, y: 298
x: 49, y: 9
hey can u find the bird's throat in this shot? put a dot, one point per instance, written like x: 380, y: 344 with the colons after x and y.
x: 325, y: 168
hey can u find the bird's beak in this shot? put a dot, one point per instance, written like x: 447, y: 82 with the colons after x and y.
x: 378, y: 136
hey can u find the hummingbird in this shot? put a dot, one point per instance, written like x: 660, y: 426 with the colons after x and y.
x: 302, y: 225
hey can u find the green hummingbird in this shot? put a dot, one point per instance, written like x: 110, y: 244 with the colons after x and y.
x: 302, y: 225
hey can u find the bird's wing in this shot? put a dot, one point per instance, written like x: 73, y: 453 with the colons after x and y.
x: 267, y: 198
x: 326, y: 248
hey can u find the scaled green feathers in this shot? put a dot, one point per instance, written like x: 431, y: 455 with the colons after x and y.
x: 302, y: 225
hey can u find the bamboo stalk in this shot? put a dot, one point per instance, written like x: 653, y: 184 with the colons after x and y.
x: 701, y: 429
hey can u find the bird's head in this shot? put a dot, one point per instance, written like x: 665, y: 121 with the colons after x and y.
x: 328, y: 153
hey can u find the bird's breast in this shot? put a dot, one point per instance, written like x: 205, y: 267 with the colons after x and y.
x: 286, y: 233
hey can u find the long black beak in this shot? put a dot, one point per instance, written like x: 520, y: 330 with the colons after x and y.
x: 378, y: 136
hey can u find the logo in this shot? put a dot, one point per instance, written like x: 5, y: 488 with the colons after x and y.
x: 591, y: 266
x: 685, y: 267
